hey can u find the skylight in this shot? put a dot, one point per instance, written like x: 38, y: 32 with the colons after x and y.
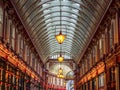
x: 52, y: 19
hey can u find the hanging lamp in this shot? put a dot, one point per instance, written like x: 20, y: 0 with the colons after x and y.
x: 60, y: 37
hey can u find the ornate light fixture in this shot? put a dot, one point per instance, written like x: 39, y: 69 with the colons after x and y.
x: 60, y: 37
x: 60, y: 58
x: 60, y: 70
x: 60, y: 73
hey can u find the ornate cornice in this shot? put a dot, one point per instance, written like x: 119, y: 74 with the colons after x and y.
x: 105, y: 23
x: 18, y: 24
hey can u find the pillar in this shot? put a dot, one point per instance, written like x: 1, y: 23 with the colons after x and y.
x: 91, y: 84
x: 17, y: 46
x: 25, y: 83
x: 87, y: 85
x: 97, y: 82
x: 7, y: 37
x: 105, y: 81
x: 117, y: 77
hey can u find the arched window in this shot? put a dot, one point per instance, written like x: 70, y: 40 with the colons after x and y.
x: 21, y: 46
x: 111, y: 36
x: 13, y: 36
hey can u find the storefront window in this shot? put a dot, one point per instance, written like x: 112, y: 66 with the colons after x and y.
x: 84, y: 87
x: 27, y: 80
x: 112, y: 74
x: 111, y: 85
x: 94, y: 84
x: 21, y: 82
x: 88, y: 85
x: 101, y: 81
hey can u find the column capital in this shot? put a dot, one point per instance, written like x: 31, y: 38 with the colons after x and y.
x: 113, y: 11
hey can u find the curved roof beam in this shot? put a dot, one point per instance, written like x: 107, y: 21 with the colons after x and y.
x: 46, y: 54
x: 65, y: 45
x: 36, y: 18
x: 32, y: 5
x: 42, y: 15
x: 92, y: 5
x: 41, y: 21
x: 80, y: 31
x: 52, y: 34
x: 79, y: 16
x: 61, y: 25
x: 67, y: 21
x: 77, y: 41
x: 53, y: 43
x: 41, y: 10
x: 88, y: 1
x: 66, y: 49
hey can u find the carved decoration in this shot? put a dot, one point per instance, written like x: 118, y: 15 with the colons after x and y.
x: 10, y: 11
x: 20, y: 28
x: 16, y: 21
x: 112, y: 11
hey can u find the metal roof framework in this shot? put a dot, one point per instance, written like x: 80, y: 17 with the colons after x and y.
x: 78, y: 19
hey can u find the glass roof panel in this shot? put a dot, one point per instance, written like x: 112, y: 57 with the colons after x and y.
x: 64, y: 55
x: 75, y: 18
x: 54, y: 68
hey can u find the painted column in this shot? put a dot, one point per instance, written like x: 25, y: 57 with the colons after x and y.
x: 25, y: 83
x: 117, y: 77
x: 105, y: 81
x: 97, y: 82
x: 91, y: 84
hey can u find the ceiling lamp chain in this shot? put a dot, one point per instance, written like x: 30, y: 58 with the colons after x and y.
x: 60, y: 37
x: 60, y: 58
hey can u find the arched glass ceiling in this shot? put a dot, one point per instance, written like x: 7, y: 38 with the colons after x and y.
x: 55, y: 67
x: 77, y: 19
x: 70, y: 74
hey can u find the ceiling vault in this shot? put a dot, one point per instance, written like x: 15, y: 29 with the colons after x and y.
x: 77, y: 19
